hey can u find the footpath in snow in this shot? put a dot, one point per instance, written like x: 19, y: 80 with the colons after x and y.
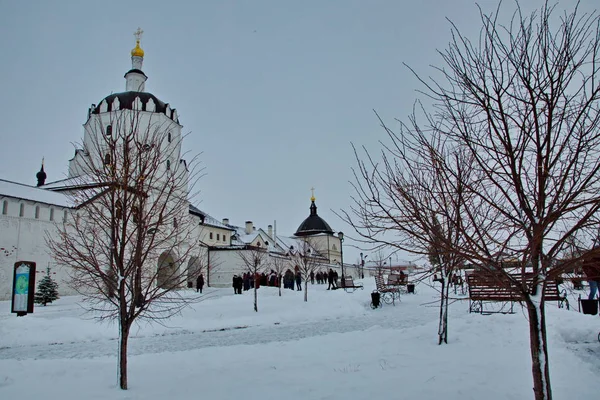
x: 334, y: 346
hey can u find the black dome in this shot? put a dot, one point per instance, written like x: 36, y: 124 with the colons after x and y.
x: 313, y: 224
x: 126, y: 100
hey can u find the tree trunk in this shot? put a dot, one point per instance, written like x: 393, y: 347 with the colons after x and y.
x: 443, y: 326
x: 539, y: 348
x: 279, y: 284
x: 443, y: 323
x: 124, y: 336
x: 255, y: 297
x: 306, y: 290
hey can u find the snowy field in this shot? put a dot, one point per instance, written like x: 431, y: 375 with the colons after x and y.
x: 333, y: 347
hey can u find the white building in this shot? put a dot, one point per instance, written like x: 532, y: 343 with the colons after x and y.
x: 31, y: 214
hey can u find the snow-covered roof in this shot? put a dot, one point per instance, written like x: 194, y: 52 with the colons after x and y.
x: 208, y: 220
x: 76, y: 182
x: 32, y: 193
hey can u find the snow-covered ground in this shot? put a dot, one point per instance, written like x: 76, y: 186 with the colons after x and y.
x: 332, y: 347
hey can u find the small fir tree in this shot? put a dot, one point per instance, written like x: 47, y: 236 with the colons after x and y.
x: 47, y: 291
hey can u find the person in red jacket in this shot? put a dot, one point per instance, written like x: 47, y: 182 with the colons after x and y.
x: 591, y: 269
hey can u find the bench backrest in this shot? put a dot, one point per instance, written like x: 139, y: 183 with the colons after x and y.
x: 379, y: 282
x: 397, y: 279
x: 489, y: 284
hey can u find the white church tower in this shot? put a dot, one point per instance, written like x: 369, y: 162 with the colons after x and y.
x: 132, y: 110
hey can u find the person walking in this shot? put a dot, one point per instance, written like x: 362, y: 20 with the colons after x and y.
x: 591, y: 269
x: 199, y: 283
x: 330, y: 280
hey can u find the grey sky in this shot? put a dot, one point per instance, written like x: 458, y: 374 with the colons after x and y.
x: 272, y: 92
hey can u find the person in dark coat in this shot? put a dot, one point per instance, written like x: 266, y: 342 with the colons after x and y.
x: 246, y: 281
x: 199, y: 283
x: 330, y: 280
x: 312, y: 277
x: 234, y: 282
x: 298, y: 280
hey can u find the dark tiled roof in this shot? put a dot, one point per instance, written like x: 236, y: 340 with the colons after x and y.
x: 126, y: 100
x: 313, y: 224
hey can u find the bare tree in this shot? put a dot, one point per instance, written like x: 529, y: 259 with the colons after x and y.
x: 307, y: 258
x: 255, y: 260
x: 279, y: 263
x: 412, y: 198
x: 128, y: 240
x: 522, y: 101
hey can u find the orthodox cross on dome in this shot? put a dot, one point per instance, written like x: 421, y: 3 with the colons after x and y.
x: 312, y: 197
x: 138, y: 34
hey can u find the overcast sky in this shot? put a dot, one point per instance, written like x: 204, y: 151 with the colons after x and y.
x: 272, y: 93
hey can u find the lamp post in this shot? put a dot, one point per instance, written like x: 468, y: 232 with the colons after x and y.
x: 362, y: 265
x: 341, y: 237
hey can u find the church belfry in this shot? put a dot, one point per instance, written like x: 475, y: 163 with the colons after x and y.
x: 136, y: 79
x: 41, y: 175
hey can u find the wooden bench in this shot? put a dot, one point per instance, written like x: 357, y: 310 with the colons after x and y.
x: 399, y: 281
x: 348, y: 284
x: 389, y: 293
x: 485, y: 286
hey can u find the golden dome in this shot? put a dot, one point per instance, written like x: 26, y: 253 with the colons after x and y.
x: 137, y: 51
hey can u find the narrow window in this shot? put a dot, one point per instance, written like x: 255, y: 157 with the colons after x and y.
x: 210, y: 235
x: 168, y: 164
x: 224, y: 238
x: 65, y: 216
x: 134, y: 213
x: 21, y: 210
x: 169, y: 137
x: 175, y: 223
x: 109, y: 130
x: 51, y: 214
x: 37, y: 212
x: 4, y: 207
x: 107, y: 159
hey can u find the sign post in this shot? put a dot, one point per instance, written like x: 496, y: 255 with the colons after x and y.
x: 23, y: 288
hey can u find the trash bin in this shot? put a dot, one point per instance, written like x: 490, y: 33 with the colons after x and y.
x: 589, y: 306
x: 410, y: 288
x: 375, y: 297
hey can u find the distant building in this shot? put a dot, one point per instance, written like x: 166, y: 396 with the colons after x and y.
x: 29, y: 214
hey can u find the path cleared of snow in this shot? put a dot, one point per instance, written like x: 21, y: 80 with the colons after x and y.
x: 334, y: 346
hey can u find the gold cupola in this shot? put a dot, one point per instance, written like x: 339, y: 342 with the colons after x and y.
x: 137, y: 50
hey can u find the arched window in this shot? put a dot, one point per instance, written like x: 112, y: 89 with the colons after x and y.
x: 175, y: 223
x: 4, y: 207
x: 168, y: 164
x: 210, y: 235
x: 109, y: 130
x: 51, y: 214
x: 107, y: 159
x: 333, y: 247
x: 37, y: 212
x: 21, y: 210
x: 169, y: 137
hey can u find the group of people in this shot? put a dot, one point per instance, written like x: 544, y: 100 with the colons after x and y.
x: 290, y: 278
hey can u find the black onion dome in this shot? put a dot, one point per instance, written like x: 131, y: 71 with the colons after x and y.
x: 126, y: 100
x: 313, y: 224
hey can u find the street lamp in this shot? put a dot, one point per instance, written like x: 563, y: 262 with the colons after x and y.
x: 341, y: 237
x: 362, y: 265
